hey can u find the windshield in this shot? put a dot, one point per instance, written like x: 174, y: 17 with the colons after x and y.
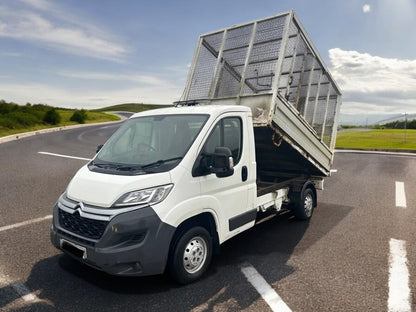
x: 149, y: 144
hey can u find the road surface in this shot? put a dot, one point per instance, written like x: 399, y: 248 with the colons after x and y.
x: 357, y: 253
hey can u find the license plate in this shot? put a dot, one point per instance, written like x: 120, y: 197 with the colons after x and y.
x: 74, y: 249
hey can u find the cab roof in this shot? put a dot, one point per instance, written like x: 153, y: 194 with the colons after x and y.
x: 197, y: 109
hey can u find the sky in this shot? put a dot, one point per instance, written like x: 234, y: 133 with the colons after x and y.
x: 96, y: 53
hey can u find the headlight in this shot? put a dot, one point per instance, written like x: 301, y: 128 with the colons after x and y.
x: 148, y: 196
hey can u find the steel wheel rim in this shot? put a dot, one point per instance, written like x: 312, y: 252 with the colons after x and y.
x: 195, y: 254
x: 308, y: 204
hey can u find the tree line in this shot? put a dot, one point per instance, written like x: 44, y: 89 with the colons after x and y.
x: 14, y: 116
x: 410, y: 124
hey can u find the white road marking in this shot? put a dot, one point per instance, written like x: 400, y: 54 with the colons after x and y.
x: 399, y: 291
x: 64, y: 156
x: 334, y: 170
x: 19, y: 287
x: 24, y: 292
x: 264, y: 289
x: 400, y: 195
x: 206, y: 306
x: 16, y: 225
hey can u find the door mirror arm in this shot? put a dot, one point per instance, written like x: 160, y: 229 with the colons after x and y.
x: 99, y: 147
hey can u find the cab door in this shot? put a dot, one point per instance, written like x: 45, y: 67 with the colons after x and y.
x: 230, y: 196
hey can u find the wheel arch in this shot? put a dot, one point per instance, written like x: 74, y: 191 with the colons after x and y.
x: 206, y: 220
x: 310, y: 185
x: 299, y: 188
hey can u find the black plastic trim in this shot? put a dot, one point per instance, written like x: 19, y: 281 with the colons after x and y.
x: 134, y: 243
x: 242, y: 219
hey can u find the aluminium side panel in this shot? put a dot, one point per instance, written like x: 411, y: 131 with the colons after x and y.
x: 299, y: 135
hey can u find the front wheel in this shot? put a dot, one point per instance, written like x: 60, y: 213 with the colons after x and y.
x: 190, y: 255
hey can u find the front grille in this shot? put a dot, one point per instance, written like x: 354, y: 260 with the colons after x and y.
x: 88, y: 228
x: 77, y: 239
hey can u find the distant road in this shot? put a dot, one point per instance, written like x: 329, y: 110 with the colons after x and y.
x: 18, y: 136
x: 123, y: 115
x: 354, y: 129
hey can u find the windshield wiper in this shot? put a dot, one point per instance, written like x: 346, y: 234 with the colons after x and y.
x: 160, y: 162
x: 103, y: 165
x: 128, y: 167
x: 120, y: 167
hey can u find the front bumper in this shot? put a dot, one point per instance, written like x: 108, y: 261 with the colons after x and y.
x: 133, y: 243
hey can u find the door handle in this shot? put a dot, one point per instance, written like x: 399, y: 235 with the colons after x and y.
x: 244, y: 173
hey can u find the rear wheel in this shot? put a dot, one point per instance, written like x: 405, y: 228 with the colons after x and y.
x: 304, y: 205
x: 190, y: 255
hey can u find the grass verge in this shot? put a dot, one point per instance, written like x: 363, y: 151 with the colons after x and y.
x: 131, y: 107
x: 93, y: 117
x: 385, y: 139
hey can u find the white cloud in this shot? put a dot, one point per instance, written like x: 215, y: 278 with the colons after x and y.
x: 39, y: 4
x: 372, y: 84
x: 141, y: 79
x: 366, y: 8
x: 78, y: 39
x: 89, y: 99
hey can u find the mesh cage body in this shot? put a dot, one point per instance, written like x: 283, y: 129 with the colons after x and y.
x: 271, y: 56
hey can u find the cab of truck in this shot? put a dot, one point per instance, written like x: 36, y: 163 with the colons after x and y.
x: 167, y: 188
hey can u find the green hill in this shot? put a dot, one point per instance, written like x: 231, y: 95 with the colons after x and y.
x: 16, y: 118
x: 130, y: 107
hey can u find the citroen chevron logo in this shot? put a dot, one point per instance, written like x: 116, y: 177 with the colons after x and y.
x: 79, y: 207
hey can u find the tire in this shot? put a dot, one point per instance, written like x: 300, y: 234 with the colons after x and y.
x: 190, y: 255
x: 304, y: 205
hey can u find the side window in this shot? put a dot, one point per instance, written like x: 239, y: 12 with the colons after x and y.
x: 226, y: 133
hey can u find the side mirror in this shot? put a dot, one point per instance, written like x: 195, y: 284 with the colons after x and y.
x: 220, y: 162
x: 223, y: 164
x: 99, y: 147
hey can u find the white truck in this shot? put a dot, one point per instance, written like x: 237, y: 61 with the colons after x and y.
x: 254, y: 133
